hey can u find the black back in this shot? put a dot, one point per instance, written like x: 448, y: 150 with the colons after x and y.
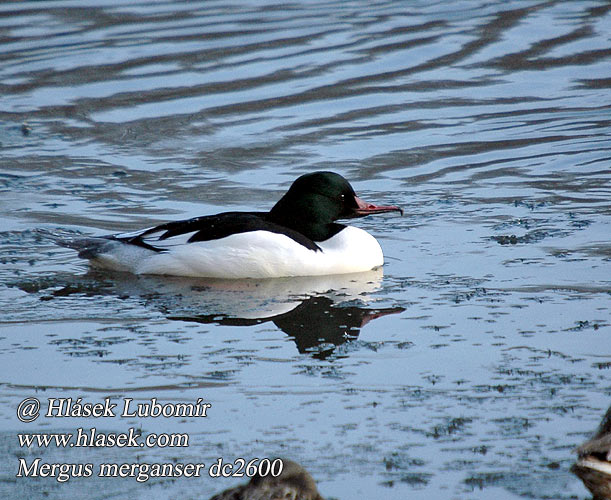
x: 306, y: 214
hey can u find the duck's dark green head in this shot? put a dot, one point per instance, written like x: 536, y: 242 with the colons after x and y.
x: 314, y: 201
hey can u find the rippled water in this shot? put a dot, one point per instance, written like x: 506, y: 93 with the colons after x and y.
x: 470, y: 368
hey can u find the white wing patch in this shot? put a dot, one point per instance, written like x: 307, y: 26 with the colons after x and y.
x: 135, y: 234
x: 153, y: 239
x: 174, y: 241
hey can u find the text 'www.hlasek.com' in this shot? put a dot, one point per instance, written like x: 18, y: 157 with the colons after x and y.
x: 29, y: 410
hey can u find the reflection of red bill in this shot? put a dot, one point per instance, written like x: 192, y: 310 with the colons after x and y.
x: 378, y: 313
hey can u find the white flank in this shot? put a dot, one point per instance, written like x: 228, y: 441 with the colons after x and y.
x: 255, y: 254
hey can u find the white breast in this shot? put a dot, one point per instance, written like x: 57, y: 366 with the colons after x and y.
x: 255, y: 254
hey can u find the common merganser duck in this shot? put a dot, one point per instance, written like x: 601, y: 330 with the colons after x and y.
x: 294, y: 482
x: 594, y: 464
x: 297, y: 237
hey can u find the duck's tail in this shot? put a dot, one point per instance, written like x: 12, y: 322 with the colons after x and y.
x: 87, y: 247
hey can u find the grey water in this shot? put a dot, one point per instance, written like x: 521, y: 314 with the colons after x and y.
x: 469, y: 367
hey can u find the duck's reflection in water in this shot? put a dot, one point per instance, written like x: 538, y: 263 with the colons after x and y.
x: 319, y: 313
x: 593, y: 466
x: 294, y: 483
